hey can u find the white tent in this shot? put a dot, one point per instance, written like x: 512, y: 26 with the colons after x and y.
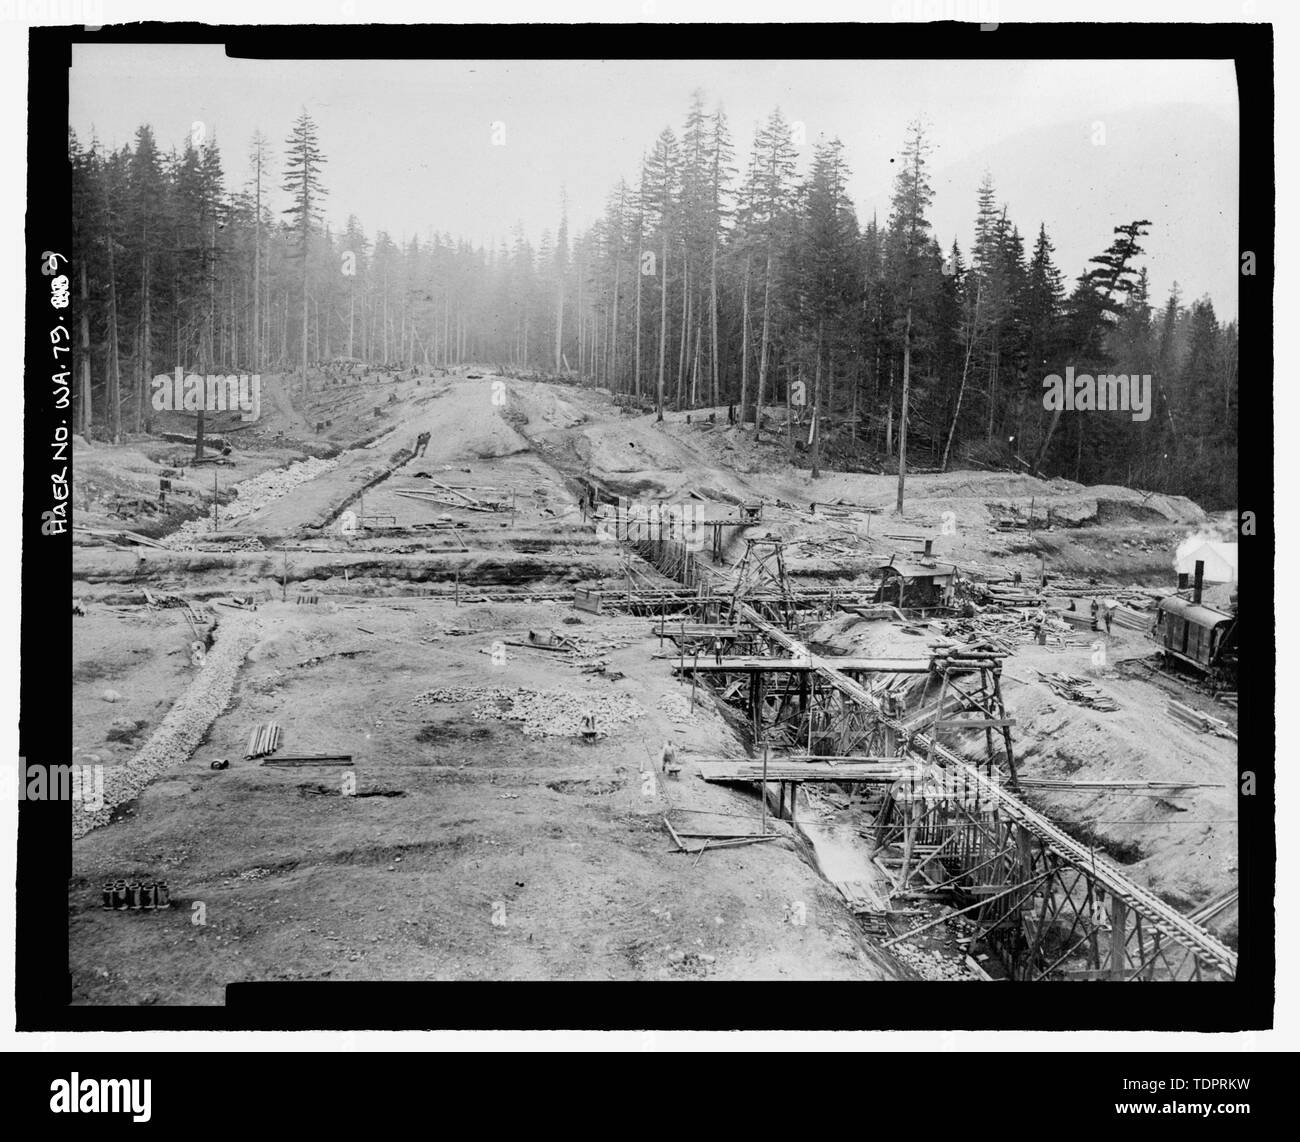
x: 1220, y: 562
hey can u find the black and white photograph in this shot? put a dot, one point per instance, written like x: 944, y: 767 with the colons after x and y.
x: 586, y: 512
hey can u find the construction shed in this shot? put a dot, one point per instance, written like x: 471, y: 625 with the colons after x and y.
x: 916, y: 584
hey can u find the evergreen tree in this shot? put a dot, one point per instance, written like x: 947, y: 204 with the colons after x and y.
x: 302, y: 164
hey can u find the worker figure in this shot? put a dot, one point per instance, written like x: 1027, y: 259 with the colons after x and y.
x: 1040, y: 626
x: 717, y: 650
x: 589, y: 727
x: 1095, y: 609
x: 1110, y: 613
x: 667, y: 757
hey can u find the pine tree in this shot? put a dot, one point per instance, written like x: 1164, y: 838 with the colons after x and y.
x: 823, y: 256
x: 1098, y: 295
x: 763, y: 222
x: 662, y: 186
x: 258, y: 157
x: 302, y: 164
x: 908, y: 228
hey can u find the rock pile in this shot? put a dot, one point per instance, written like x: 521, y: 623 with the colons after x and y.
x: 250, y: 495
x: 676, y: 707
x: 183, y: 727
x: 933, y: 965
x: 544, y: 713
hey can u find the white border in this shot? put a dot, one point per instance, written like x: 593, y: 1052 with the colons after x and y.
x: 16, y: 16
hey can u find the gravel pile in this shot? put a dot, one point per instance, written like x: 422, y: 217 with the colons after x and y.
x: 677, y: 707
x: 250, y: 495
x: 544, y: 713
x: 932, y: 965
x: 184, y: 726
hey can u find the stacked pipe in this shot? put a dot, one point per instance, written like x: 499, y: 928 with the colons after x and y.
x: 135, y: 895
x: 264, y: 739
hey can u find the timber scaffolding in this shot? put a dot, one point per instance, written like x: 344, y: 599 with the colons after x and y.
x: 759, y: 578
x: 1049, y: 907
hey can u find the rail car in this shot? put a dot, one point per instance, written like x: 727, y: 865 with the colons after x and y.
x: 1200, y: 638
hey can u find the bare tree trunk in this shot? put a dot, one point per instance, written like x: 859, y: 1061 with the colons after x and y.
x: 853, y: 412
x: 889, y: 414
x: 993, y: 384
x: 961, y: 388
x: 84, y: 405
x: 762, y: 358
x: 695, y: 372
x: 257, y: 272
x: 663, y: 325
x: 744, y: 348
x: 559, y: 321
x: 611, y: 350
x: 817, y: 404
x: 789, y: 413
x: 636, y: 376
x: 304, y: 312
x: 685, y: 339
x: 114, y: 395
x: 713, y: 321
x: 212, y: 298
x: 830, y: 380
x: 902, y: 416
x: 146, y: 344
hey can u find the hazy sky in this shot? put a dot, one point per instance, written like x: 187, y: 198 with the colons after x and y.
x: 1081, y: 146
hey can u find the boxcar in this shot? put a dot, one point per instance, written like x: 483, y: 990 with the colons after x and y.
x: 1198, y: 636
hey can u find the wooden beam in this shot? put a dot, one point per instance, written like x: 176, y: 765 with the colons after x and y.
x: 779, y: 770
x: 743, y: 664
x: 973, y: 723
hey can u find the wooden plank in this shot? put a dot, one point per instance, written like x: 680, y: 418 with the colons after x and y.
x: 801, y: 759
x: 805, y: 771
x: 453, y: 491
x: 311, y: 759
x: 746, y: 664
x: 973, y: 724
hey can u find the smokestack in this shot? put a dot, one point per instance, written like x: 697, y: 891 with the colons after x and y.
x: 1197, y: 582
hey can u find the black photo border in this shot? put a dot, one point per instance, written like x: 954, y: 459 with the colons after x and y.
x: 43, y: 984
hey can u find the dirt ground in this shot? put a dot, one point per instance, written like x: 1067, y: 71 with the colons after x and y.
x: 454, y: 820
x: 130, y: 666
x: 468, y: 847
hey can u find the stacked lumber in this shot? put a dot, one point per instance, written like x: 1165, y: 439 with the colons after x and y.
x: 1129, y: 619
x: 1206, y: 723
x: 435, y: 498
x: 1078, y: 690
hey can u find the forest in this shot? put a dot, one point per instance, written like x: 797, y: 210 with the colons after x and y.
x: 712, y: 278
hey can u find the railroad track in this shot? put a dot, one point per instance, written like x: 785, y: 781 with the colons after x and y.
x: 1159, y: 915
